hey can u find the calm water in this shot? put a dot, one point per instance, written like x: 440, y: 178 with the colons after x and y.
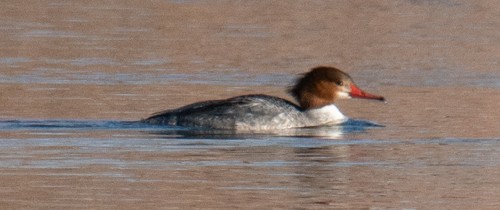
x: 74, y: 76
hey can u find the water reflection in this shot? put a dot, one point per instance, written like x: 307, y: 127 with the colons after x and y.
x: 329, y: 132
x: 69, y: 158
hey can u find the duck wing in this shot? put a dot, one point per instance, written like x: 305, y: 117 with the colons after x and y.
x: 246, y: 111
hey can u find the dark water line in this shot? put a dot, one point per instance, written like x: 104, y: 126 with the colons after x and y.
x: 56, y: 126
x: 71, y: 124
x: 352, y: 124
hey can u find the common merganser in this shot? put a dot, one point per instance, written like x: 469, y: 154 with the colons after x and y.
x: 315, y: 91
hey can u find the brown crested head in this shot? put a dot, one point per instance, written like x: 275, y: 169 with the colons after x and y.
x: 323, y: 85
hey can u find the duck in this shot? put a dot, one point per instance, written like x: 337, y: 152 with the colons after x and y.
x: 315, y: 93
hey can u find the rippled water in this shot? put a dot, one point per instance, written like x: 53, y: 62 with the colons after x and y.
x: 76, y: 76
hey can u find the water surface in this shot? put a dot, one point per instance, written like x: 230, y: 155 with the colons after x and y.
x: 75, y: 76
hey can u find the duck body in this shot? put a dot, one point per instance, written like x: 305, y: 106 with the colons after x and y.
x: 248, y: 112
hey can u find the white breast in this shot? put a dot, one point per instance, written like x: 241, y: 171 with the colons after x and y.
x: 327, y: 115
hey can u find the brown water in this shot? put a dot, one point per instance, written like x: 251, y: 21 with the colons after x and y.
x: 73, y: 74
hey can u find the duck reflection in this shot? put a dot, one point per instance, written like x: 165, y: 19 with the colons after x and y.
x: 326, y: 132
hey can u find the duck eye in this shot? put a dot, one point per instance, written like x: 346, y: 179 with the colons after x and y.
x: 340, y: 83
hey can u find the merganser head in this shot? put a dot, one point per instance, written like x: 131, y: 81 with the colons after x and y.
x: 323, y: 85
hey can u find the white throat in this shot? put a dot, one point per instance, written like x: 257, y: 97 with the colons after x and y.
x: 326, y: 115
